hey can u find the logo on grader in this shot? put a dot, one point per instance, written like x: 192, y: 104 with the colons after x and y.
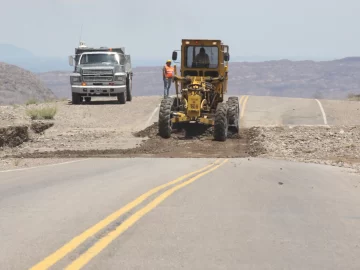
x: 203, y: 83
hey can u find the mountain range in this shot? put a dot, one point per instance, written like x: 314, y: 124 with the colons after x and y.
x: 332, y: 79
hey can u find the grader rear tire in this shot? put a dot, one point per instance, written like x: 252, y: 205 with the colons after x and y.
x: 233, y: 112
x: 221, y: 122
x: 165, y: 126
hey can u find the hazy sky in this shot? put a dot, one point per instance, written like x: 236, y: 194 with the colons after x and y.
x: 153, y: 28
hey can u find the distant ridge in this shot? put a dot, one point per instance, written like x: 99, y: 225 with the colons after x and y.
x: 18, y: 85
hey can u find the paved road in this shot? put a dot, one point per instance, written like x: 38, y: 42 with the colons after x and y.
x: 282, y: 111
x: 270, y: 111
x: 239, y: 214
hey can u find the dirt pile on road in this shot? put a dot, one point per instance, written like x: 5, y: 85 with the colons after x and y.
x: 196, y: 144
x: 179, y: 145
x: 337, y: 146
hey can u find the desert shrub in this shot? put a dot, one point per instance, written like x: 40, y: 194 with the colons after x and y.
x: 42, y: 113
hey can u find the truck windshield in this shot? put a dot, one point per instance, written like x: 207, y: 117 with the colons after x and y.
x: 99, y: 58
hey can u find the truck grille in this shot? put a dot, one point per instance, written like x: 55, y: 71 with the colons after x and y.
x: 100, y: 75
x: 97, y: 78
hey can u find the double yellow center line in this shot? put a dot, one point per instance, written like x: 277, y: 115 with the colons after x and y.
x: 242, y: 102
x: 112, y: 235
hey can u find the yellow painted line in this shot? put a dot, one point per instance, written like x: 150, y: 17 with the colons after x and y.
x: 78, y: 240
x: 241, y: 99
x: 243, y: 107
x: 107, y: 239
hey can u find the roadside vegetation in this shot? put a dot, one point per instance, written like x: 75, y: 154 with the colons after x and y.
x: 31, y: 101
x: 46, y: 113
x: 354, y: 97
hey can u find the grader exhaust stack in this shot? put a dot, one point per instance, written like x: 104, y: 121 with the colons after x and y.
x: 203, y: 83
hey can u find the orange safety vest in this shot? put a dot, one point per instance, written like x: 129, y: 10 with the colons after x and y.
x: 169, y: 71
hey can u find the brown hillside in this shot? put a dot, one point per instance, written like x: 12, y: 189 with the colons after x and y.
x: 18, y: 85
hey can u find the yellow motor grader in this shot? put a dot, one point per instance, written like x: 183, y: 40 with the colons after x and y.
x: 203, y: 82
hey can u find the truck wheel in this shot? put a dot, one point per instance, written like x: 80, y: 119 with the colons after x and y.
x: 221, y: 122
x: 122, y: 97
x: 165, y: 125
x: 75, y: 98
x: 129, y: 90
x: 233, y: 112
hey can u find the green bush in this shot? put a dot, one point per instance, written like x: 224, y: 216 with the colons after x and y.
x: 42, y: 113
x: 354, y: 97
x: 31, y: 101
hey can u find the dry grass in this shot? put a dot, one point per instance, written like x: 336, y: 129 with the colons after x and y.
x: 16, y: 162
x: 42, y: 113
x: 354, y: 97
x: 31, y: 101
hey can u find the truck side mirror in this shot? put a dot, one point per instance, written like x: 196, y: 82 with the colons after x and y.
x: 174, y: 56
x: 71, y: 60
x: 226, y: 57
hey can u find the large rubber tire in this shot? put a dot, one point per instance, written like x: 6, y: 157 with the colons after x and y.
x: 122, y: 97
x: 176, y: 102
x: 233, y: 112
x: 129, y: 90
x: 165, y: 126
x: 221, y: 122
x: 75, y: 98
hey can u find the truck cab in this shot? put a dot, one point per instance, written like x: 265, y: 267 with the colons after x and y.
x: 100, y: 72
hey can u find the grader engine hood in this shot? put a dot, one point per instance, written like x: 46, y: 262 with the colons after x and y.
x: 195, y: 96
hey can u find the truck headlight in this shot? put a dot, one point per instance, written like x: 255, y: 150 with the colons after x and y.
x: 119, y: 78
x: 75, y: 79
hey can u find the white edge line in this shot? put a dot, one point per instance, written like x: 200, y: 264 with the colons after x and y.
x: 322, y: 111
x: 152, y: 115
x: 48, y: 165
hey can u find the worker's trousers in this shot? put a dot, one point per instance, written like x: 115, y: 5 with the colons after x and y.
x: 167, y: 84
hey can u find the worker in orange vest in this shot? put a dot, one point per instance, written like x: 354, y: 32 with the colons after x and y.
x: 168, y: 73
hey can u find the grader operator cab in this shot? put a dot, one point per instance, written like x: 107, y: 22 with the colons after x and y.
x: 203, y: 82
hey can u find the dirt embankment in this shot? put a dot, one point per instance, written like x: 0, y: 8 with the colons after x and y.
x: 13, y: 135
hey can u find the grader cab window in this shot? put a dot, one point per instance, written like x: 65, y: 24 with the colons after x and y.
x: 202, y: 56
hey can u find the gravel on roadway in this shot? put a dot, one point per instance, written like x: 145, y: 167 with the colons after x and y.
x: 333, y: 145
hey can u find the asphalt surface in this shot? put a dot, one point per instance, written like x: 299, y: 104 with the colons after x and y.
x: 244, y: 214
x: 280, y: 111
x: 275, y: 111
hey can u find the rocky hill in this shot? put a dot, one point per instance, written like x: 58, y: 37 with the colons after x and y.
x: 18, y: 85
x: 305, y: 79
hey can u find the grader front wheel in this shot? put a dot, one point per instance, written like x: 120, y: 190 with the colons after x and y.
x: 233, y: 113
x: 165, y: 126
x: 221, y: 122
